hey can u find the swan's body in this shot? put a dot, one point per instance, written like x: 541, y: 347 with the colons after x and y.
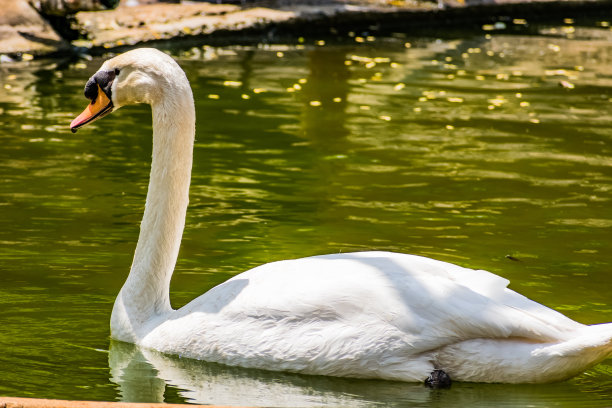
x: 369, y: 314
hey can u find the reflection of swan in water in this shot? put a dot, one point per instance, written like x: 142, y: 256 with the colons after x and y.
x: 370, y: 314
x: 144, y: 375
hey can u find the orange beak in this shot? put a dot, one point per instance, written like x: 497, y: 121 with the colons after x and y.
x: 98, y: 108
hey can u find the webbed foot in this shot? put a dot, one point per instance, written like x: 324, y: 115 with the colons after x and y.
x: 438, y: 379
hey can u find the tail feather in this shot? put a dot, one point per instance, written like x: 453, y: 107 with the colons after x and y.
x: 572, y: 357
x: 594, y: 341
x: 519, y: 361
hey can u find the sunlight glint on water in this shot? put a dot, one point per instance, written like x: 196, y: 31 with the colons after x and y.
x: 491, y: 153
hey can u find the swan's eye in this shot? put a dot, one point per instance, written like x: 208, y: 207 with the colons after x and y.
x: 117, y: 71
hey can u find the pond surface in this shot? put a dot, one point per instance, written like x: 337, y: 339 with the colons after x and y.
x: 492, y: 151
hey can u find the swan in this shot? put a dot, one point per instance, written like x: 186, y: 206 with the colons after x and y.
x: 368, y: 314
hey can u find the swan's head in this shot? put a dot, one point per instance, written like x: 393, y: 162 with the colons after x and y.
x: 143, y: 75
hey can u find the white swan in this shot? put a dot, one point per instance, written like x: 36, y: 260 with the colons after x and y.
x: 369, y: 314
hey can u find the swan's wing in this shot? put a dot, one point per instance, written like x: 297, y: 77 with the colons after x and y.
x: 458, y: 303
x: 375, y: 299
x: 492, y: 287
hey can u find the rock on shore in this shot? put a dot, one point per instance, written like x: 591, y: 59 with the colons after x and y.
x: 143, y: 23
x: 24, y: 31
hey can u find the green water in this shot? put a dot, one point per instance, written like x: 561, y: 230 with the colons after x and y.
x: 492, y: 151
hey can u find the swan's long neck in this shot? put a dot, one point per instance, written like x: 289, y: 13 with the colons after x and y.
x: 145, y: 293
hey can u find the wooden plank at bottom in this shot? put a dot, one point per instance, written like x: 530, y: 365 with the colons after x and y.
x: 11, y: 402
